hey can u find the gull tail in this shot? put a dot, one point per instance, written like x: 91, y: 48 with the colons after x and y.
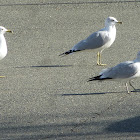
x: 97, y: 78
x: 68, y: 52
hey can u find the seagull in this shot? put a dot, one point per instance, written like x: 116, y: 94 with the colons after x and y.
x: 99, y: 40
x: 3, y: 45
x: 125, y: 71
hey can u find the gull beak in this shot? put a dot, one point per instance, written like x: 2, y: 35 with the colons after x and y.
x: 9, y: 31
x: 119, y: 22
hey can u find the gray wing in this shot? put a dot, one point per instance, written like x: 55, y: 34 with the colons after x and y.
x: 94, y: 41
x: 122, y: 70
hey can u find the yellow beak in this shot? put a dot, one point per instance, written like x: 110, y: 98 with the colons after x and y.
x: 9, y: 31
x: 119, y: 22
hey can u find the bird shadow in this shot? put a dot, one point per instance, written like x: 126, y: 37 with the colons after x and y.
x: 67, y: 3
x: 45, y: 66
x: 128, y: 125
x: 50, y: 66
x: 96, y: 93
x: 137, y: 90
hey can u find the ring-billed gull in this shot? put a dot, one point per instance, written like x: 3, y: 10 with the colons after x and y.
x: 3, y: 45
x: 100, y: 40
x: 123, y: 71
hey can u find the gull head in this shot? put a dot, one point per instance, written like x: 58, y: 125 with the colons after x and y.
x: 111, y: 21
x: 4, y: 30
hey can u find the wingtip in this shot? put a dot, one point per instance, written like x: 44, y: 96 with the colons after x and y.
x: 90, y: 79
x: 62, y: 54
x: 66, y: 53
x: 94, y: 78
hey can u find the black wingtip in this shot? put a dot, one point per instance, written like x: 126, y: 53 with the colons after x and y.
x: 63, y: 54
x: 66, y: 53
x: 90, y: 80
x: 69, y: 52
x: 94, y: 78
x: 98, y: 78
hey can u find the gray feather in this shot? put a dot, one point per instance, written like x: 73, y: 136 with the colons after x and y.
x: 94, y: 41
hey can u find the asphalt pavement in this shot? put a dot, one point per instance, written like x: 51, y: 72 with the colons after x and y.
x: 44, y: 96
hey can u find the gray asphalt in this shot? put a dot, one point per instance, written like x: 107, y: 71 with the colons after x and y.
x: 44, y: 96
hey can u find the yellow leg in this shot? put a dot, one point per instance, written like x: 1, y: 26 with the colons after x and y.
x: 127, y: 88
x: 99, y: 60
x: 2, y: 76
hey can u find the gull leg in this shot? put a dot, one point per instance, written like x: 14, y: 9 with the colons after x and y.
x: 99, y: 60
x: 127, y: 88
